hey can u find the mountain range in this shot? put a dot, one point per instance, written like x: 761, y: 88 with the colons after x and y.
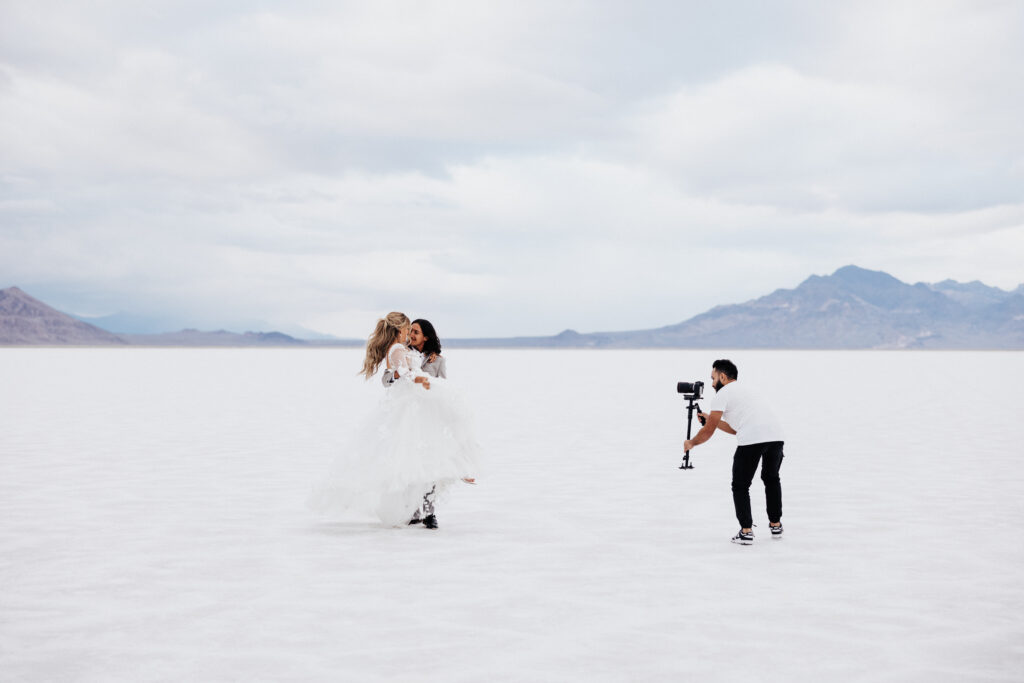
x: 128, y: 324
x: 853, y: 308
x: 28, y: 321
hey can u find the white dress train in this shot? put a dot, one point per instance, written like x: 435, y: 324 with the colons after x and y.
x: 415, y: 440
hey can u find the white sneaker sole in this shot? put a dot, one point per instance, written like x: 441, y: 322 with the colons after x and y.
x: 738, y: 541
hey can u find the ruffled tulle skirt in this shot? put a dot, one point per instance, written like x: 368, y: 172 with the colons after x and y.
x: 416, y: 440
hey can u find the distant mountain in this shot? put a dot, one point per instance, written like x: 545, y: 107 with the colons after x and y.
x: 218, y: 338
x: 853, y: 308
x: 974, y: 294
x: 27, y: 321
x: 129, y: 323
x: 132, y: 324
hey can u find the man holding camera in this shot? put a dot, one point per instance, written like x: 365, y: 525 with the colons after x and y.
x: 735, y: 410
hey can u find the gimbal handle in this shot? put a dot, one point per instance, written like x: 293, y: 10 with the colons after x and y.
x: 691, y: 406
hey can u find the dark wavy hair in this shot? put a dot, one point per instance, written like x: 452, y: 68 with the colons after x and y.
x: 432, y: 344
x: 727, y: 368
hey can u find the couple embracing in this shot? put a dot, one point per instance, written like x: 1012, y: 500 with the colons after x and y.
x: 419, y: 441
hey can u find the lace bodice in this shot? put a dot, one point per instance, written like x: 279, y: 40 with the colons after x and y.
x: 405, y: 361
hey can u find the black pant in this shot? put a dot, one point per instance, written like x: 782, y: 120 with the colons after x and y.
x: 744, y: 464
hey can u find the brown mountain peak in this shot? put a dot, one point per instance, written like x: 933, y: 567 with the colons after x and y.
x: 27, y: 321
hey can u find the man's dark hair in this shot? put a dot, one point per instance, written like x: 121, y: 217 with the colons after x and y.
x: 432, y: 343
x: 727, y: 368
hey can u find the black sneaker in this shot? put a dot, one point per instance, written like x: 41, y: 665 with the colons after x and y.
x: 743, y: 537
x: 776, y: 530
x: 430, y: 522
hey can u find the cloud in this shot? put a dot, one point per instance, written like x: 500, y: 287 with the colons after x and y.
x: 772, y: 135
x: 501, y: 168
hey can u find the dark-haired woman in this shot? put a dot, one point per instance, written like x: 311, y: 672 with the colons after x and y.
x: 423, y: 338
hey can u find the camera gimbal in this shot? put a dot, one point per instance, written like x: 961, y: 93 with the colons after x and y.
x: 691, y: 391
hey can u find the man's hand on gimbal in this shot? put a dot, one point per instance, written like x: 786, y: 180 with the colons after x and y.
x: 710, y: 425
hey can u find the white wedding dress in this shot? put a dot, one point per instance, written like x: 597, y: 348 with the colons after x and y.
x: 415, y: 440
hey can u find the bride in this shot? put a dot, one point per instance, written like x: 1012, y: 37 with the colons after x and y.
x: 414, y: 446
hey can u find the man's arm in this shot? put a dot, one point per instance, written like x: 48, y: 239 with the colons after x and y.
x: 722, y: 424
x: 713, y: 420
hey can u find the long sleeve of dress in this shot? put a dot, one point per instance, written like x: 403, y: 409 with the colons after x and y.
x: 403, y: 361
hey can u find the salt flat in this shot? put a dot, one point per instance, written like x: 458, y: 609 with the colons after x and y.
x: 153, y: 527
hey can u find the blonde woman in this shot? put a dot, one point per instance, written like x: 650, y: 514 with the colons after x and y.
x: 419, y: 439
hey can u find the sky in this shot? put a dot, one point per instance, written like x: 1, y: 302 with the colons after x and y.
x: 500, y: 168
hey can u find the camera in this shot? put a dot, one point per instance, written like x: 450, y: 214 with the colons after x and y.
x: 691, y: 389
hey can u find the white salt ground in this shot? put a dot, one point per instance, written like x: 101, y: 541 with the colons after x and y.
x: 153, y: 528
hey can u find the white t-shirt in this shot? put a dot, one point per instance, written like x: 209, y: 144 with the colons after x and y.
x: 747, y: 413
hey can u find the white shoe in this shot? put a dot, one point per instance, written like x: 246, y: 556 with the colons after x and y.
x: 743, y: 537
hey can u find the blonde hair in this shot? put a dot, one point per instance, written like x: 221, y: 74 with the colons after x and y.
x: 384, y: 335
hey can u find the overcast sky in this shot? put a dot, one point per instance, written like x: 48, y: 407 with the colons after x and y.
x: 500, y: 168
